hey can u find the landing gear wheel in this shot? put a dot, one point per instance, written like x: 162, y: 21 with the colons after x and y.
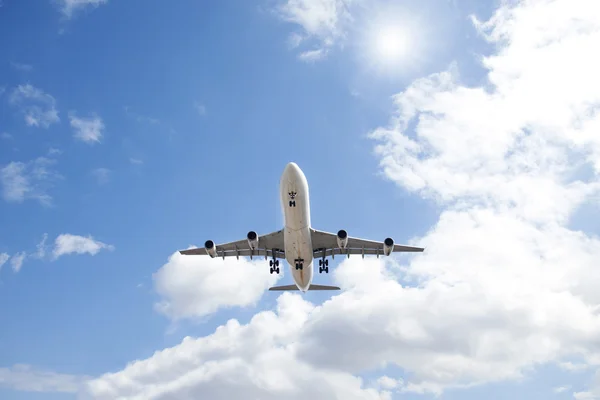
x: 277, y: 264
x: 326, y: 269
x: 298, y: 266
x: 320, y: 263
x: 273, y: 270
x: 292, y: 203
x: 277, y: 270
x: 326, y: 262
x: 271, y: 263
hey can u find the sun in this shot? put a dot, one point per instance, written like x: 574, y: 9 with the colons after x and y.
x: 391, y: 44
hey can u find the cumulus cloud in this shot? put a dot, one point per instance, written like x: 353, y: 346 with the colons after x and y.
x: 73, y: 244
x: 88, y: 130
x: 38, y: 107
x: 256, y: 360
x: 29, y: 379
x: 194, y: 287
x: 70, y: 7
x: 31, y: 180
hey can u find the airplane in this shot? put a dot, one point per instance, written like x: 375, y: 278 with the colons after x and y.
x: 298, y: 242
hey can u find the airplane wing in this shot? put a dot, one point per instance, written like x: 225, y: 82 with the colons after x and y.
x: 270, y: 245
x: 325, y: 245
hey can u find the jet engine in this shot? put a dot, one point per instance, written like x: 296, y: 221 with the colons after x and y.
x: 388, y: 246
x: 211, y: 249
x: 342, y: 239
x: 252, y: 240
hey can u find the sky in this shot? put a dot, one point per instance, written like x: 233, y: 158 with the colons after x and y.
x: 132, y: 129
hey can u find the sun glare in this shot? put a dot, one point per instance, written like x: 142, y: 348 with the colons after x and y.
x: 391, y: 44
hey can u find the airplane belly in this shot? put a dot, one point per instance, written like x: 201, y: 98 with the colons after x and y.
x: 298, y: 249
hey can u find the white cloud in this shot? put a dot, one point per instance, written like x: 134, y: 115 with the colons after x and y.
x: 200, y: 108
x: 136, y: 161
x: 141, y: 118
x: 323, y: 20
x: 22, y: 67
x: 88, y: 130
x: 561, y: 389
x: 26, y: 378
x: 386, y: 382
x: 21, y: 181
x: 313, y: 55
x: 194, y: 287
x: 38, y: 107
x: 69, y: 244
x: 257, y: 360
x: 102, y: 175
x: 17, y: 260
x: 41, y: 248
x: 6, y: 135
x: 3, y: 259
x: 70, y: 7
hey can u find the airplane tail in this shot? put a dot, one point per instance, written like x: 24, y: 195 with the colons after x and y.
x: 311, y: 287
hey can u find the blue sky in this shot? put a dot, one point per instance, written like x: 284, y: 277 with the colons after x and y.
x: 130, y: 130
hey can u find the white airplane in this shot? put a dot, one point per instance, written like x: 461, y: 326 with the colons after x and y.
x: 298, y: 242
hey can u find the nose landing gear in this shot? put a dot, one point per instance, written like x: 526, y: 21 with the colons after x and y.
x: 299, y: 264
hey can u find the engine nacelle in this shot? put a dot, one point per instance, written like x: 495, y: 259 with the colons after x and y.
x: 388, y: 246
x: 211, y: 249
x: 252, y: 240
x: 342, y: 239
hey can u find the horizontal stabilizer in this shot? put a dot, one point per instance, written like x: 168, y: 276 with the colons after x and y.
x: 311, y: 287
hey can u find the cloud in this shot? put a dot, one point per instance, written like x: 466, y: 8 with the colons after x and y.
x: 38, y: 107
x: 200, y: 108
x: 22, y: 67
x: 141, y: 118
x: 3, y: 259
x: 323, y: 20
x: 70, y: 7
x: 313, y: 55
x: 21, y: 181
x: 102, y: 175
x: 26, y: 378
x: 88, y: 130
x: 68, y: 244
x: 17, y: 260
x: 561, y: 389
x: 136, y: 161
x: 194, y: 287
x: 256, y: 360
x: 6, y: 135
x: 41, y: 248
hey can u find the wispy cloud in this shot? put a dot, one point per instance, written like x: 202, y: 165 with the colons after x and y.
x: 141, y: 118
x: 200, y: 108
x: 88, y: 130
x: 102, y: 175
x: 21, y: 181
x: 136, y: 161
x: 323, y: 20
x: 41, y: 248
x: 5, y: 135
x: 17, y: 260
x: 70, y: 7
x: 313, y: 55
x: 3, y: 259
x: 38, y: 107
x: 74, y: 244
x: 26, y: 378
x: 22, y: 67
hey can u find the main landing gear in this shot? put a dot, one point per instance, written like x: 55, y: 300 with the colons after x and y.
x: 274, y: 264
x: 323, y: 266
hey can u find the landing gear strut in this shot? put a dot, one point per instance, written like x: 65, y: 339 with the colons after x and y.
x: 274, y: 264
x: 323, y: 266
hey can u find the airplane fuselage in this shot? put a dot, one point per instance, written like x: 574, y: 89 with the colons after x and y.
x: 295, y: 203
